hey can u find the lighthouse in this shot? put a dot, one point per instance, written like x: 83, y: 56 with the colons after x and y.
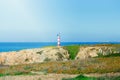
x: 58, y: 40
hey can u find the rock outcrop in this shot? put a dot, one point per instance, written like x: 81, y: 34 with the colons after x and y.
x: 34, y: 56
x: 94, y: 51
x: 53, y: 54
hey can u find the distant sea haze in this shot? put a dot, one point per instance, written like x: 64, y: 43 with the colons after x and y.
x: 16, y: 46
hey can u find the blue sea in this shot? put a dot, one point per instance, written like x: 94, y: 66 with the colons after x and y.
x: 16, y: 46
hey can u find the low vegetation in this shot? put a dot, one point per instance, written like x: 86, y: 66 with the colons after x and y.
x: 81, y: 77
x: 93, y: 65
x: 73, y: 50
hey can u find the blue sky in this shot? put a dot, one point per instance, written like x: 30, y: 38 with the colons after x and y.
x: 77, y: 20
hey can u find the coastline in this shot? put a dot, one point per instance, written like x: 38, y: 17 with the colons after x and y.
x: 93, y: 59
x: 17, y: 46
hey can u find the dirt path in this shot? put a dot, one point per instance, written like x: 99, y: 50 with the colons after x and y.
x: 101, y: 75
x: 54, y: 76
x: 38, y: 77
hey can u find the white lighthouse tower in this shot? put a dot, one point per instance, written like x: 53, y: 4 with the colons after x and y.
x: 58, y: 40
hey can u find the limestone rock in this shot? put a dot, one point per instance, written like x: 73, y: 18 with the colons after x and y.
x: 94, y: 51
x: 34, y: 56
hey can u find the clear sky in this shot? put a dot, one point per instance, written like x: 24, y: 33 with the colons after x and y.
x: 77, y: 20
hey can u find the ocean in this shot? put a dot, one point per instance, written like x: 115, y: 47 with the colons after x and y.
x: 16, y: 46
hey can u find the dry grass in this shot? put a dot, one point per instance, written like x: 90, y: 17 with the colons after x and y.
x: 94, y: 65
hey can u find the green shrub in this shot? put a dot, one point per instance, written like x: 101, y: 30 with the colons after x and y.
x: 1, y: 75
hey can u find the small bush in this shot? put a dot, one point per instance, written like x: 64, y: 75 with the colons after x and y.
x: 1, y: 75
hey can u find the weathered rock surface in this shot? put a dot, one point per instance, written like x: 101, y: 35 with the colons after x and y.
x: 34, y: 56
x: 94, y: 51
